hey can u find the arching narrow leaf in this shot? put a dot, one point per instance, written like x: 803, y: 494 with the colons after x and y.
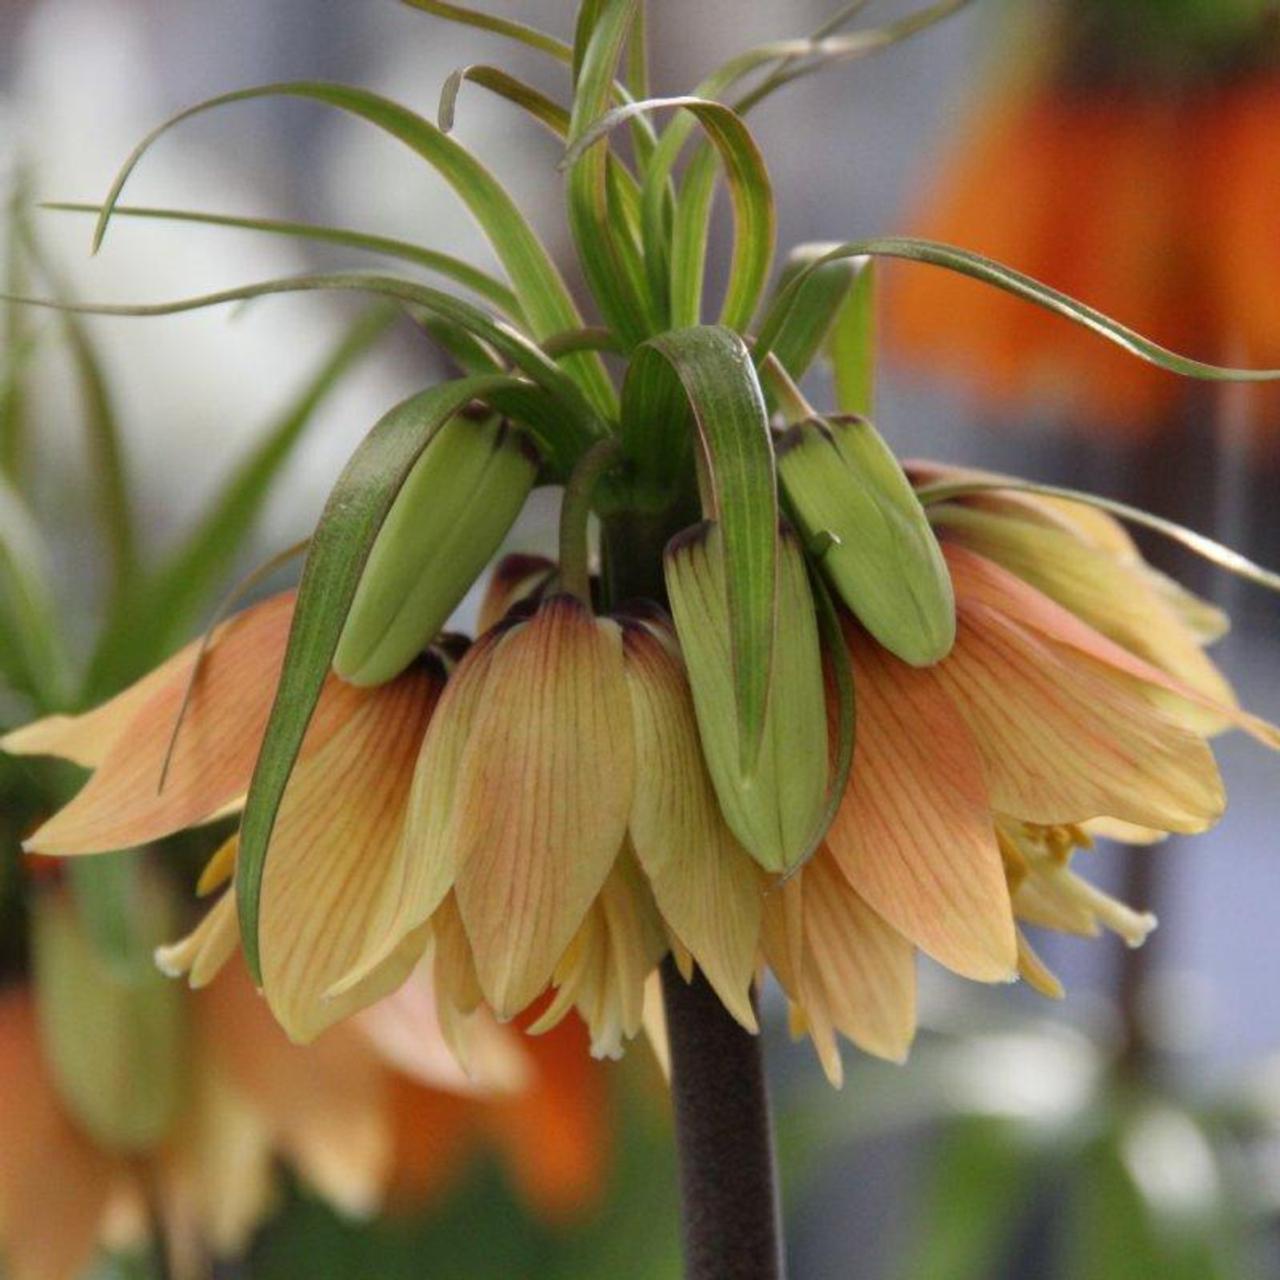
x: 710, y: 368
x: 32, y: 648
x: 507, y: 87
x: 479, y: 282
x: 749, y: 190
x: 339, y: 548
x: 978, y: 267
x: 578, y: 425
x: 609, y: 253
x: 815, y: 309
x: 521, y: 32
x: 830, y: 50
x: 1214, y: 552
x: 102, y: 432
x: 543, y: 296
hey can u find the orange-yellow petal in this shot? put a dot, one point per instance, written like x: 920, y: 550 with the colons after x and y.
x: 707, y: 886
x: 331, y: 851
x: 203, y: 953
x: 1113, y: 597
x: 859, y: 974
x: 424, y: 863
x: 987, y: 584
x: 603, y: 972
x: 544, y: 792
x: 1063, y: 741
x: 913, y: 834
x: 123, y: 804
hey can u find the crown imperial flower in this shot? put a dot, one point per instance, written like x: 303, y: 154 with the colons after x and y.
x: 814, y: 712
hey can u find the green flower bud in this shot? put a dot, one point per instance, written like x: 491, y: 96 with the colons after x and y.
x: 455, y: 507
x: 112, y: 1027
x: 776, y: 809
x: 847, y: 488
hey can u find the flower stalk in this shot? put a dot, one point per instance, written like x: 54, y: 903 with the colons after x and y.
x: 728, y: 1176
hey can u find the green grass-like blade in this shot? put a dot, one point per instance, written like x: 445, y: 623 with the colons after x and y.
x: 103, y: 440
x: 544, y: 298
x: 1216, y: 553
x: 542, y: 108
x: 520, y: 32
x: 577, y: 428
x: 749, y: 188
x: 609, y: 253
x: 814, y: 311
x: 977, y: 267
x: 710, y: 367
x: 32, y: 644
x: 481, y: 283
x: 339, y: 549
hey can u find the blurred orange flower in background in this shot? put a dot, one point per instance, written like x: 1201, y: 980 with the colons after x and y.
x: 1135, y: 167
x: 375, y: 1116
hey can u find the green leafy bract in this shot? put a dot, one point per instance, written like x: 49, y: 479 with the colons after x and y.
x: 339, y: 549
x: 710, y: 369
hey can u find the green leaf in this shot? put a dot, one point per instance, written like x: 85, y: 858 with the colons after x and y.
x: 1144, y: 1205
x: 610, y: 256
x: 523, y: 34
x: 18, y: 342
x: 749, y: 189
x: 835, y: 653
x: 709, y: 367
x: 1222, y: 556
x: 851, y: 344
x: 977, y: 267
x: 339, y: 548
x: 102, y: 436
x: 507, y: 87
x: 35, y: 649
x: 815, y: 308
x: 578, y: 425
x: 170, y: 601
x: 829, y: 50
x: 979, y: 1185
x: 479, y: 282
x: 544, y: 299
x: 590, y: 13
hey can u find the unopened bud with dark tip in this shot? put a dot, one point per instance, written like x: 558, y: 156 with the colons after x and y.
x: 861, y: 516
x: 451, y: 514
x: 516, y: 578
x: 776, y: 808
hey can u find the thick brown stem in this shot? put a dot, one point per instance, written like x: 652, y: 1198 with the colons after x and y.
x: 728, y: 1178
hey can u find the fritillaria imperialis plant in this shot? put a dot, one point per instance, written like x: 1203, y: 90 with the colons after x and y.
x: 808, y: 710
